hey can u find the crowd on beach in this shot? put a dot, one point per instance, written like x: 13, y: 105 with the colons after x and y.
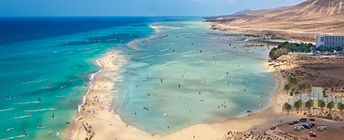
x: 96, y: 101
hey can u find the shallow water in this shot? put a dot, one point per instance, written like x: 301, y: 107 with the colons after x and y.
x: 45, y: 68
x: 188, y: 74
x: 42, y: 80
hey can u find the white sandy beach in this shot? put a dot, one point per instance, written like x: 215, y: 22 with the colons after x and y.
x: 98, y: 121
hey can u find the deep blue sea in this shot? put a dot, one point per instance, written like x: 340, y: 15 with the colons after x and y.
x: 45, y: 64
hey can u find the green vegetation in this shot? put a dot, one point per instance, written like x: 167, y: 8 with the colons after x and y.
x: 292, y: 81
x: 340, y: 106
x: 309, y: 105
x: 330, y: 49
x: 277, y: 52
x: 286, y: 47
x: 297, y: 105
x: 294, y: 86
x: 321, y: 104
x: 303, y: 87
x: 287, y: 107
x: 287, y: 87
x: 330, y: 105
x: 290, y: 86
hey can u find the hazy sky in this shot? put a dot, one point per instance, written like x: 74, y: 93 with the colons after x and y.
x: 133, y: 7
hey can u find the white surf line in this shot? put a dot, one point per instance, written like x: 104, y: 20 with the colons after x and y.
x: 222, y: 53
x: 163, y: 50
x: 35, y: 81
x: 13, y: 137
x: 169, y: 53
x: 39, y: 110
x: 10, y: 129
x: 133, y: 44
x: 170, y: 62
x: 29, y: 102
x: 144, y: 57
x: 21, y: 117
x: 191, y: 52
x: 91, y: 79
x: 7, y: 109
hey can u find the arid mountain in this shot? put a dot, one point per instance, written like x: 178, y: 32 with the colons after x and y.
x: 307, y: 10
x: 302, y: 22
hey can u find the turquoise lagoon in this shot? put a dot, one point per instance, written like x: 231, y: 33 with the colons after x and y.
x: 186, y: 74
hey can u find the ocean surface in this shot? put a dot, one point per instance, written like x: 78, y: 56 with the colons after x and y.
x: 184, y: 74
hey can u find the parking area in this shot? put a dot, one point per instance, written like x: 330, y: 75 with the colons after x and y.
x: 313, y: 128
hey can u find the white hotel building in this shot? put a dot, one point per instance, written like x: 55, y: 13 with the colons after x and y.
x: 330, y: 41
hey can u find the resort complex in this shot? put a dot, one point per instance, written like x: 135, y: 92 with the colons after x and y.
x: 125, y: 70
x: 329, y: 41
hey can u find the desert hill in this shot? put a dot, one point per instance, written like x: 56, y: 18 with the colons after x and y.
x: 301, y: 22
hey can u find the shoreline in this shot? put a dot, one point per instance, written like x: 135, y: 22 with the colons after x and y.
x: 97, y: 100
x: 251, y: 31
x: 104, y: 123
x: 97, y: 120
x: 133, y: 44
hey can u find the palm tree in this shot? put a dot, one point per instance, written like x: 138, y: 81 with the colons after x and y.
x: 309, y: 104
x: 300, y: 86
x: 340, y: 106
x: 321, y: 104
x: 287, y: 87
x: 303, y: 87
x: 330, y: 106
x: 292, y: 80
x: 292, y: 92
x: 298, y: 105
x: 287, y: 107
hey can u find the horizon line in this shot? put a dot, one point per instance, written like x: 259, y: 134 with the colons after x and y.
x: 98, y: 16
